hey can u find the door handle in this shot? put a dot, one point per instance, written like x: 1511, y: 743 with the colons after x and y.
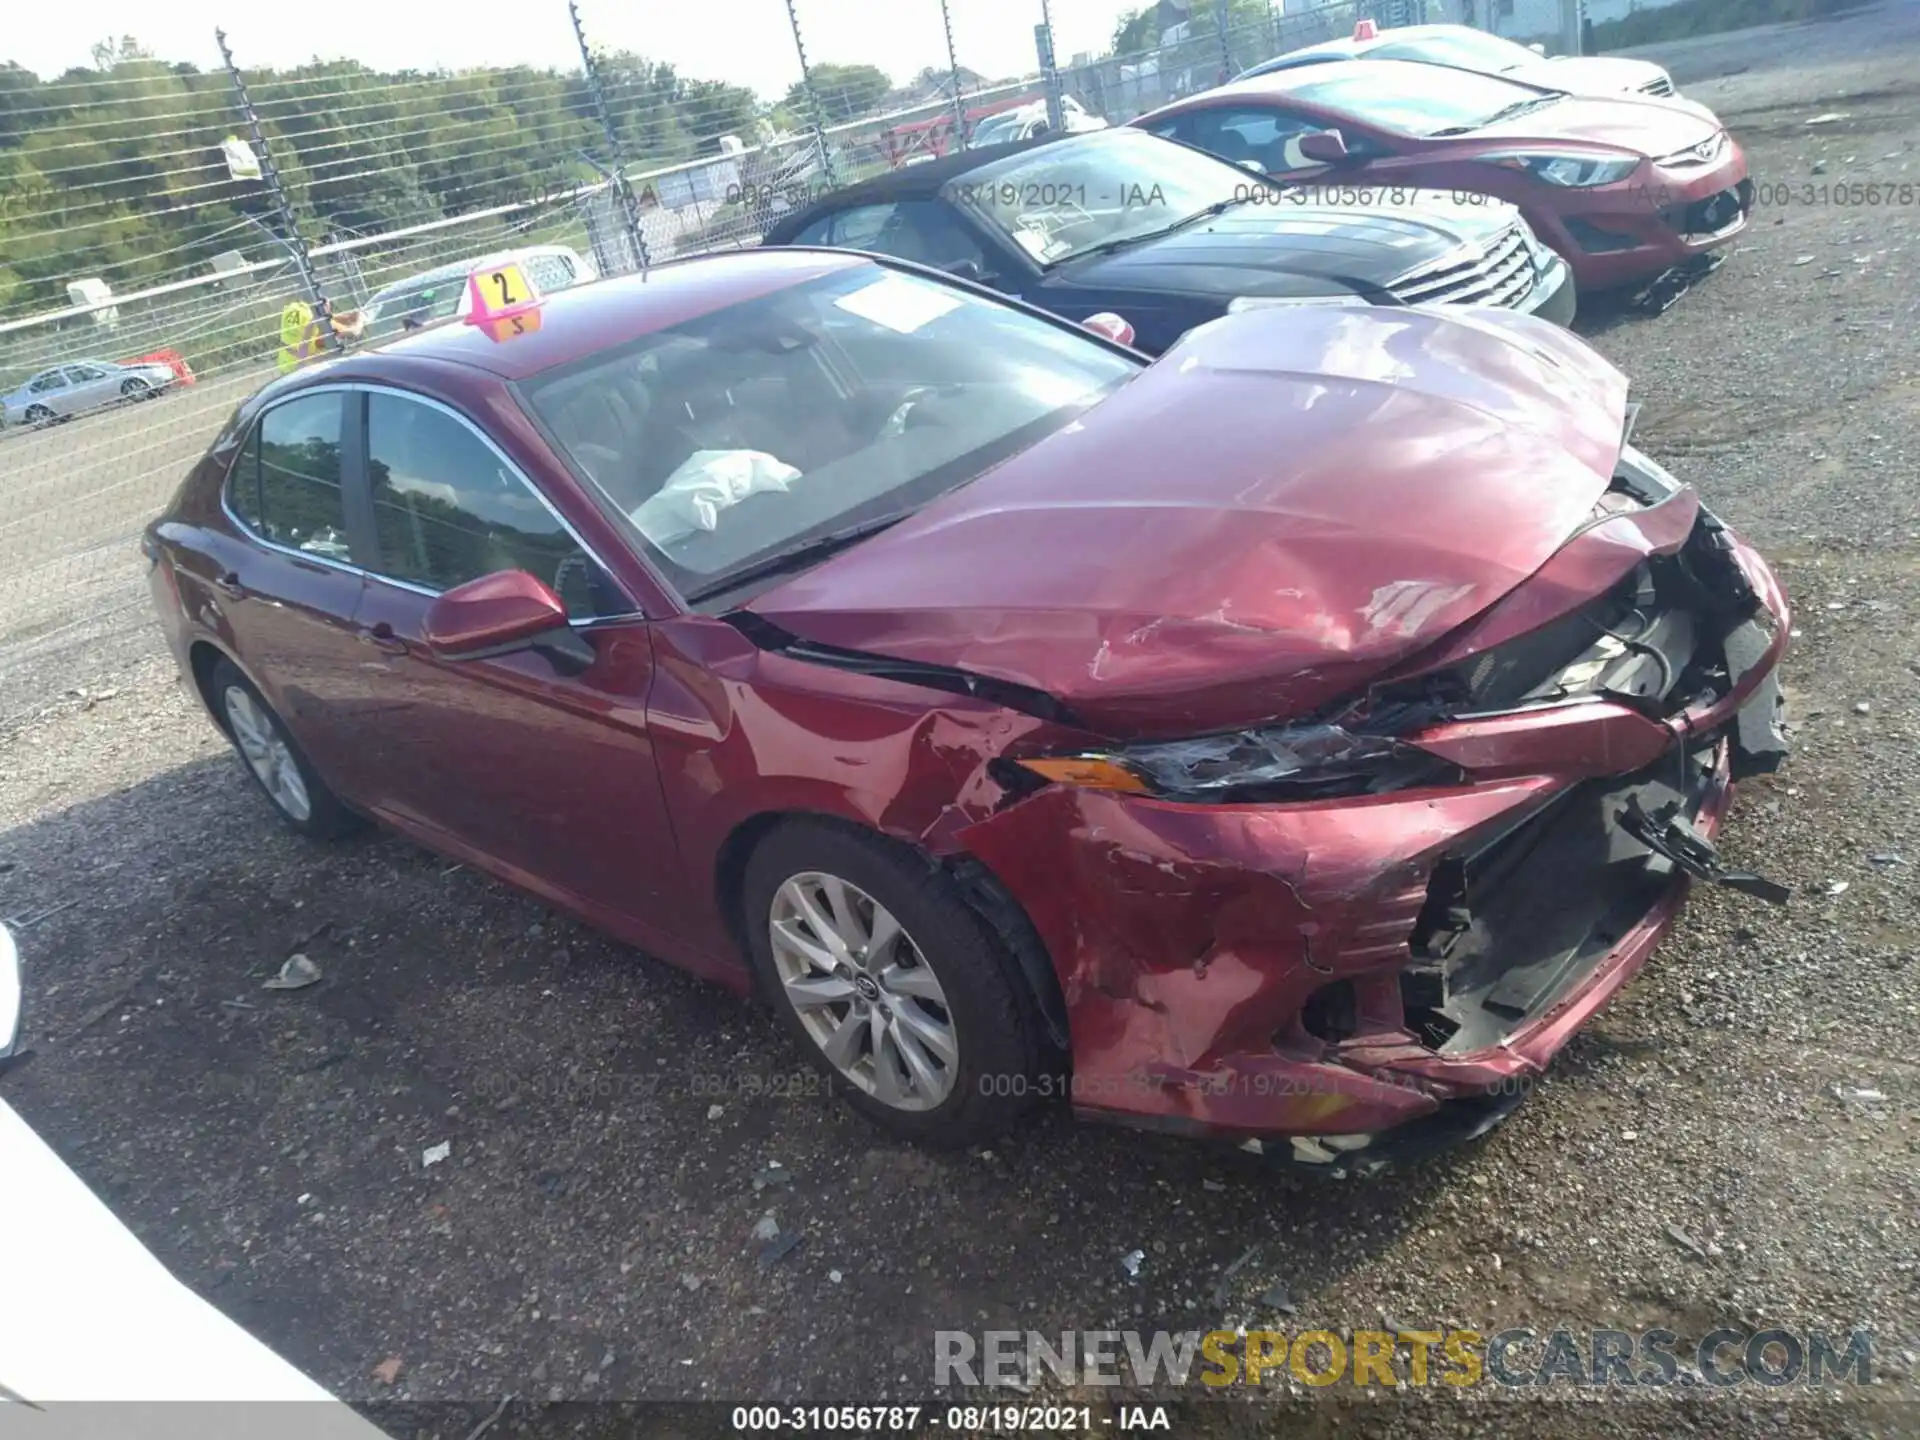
x: 381, y: 637
x: 229, y: 585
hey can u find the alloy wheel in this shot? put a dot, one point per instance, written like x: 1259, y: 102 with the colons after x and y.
x: 267, y: 754
x: 135, y: 389
x: 863, y: 991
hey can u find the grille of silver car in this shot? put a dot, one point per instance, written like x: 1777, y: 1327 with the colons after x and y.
x: 1661, y: 86
x: 1499, y: 272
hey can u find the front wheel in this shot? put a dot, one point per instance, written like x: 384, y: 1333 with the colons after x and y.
x: 276, y: 762
x: 39, y: 415
x: 891, y: 983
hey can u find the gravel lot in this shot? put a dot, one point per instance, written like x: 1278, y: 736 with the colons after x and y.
x: 613, y: 1125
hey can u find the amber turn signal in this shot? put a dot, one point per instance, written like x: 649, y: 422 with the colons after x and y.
x: 1090, y: 772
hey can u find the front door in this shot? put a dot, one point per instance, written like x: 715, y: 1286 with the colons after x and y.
x: 535, y: 763
x: 92, y: 387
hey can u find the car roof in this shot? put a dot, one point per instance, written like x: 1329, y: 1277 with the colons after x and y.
x: 460, y: 269
x: 1305, y: 55
x: 1386, y: 73
x: 586, y: 319
x: 909, y: 182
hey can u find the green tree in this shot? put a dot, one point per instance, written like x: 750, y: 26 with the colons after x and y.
x: 846, y: 92
x: 116, y: 171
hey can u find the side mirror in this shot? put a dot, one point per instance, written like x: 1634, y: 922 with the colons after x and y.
x: 1254, y: 165
x: 494, y: 615
x: 9, y: 995
x: 966, y: 270
x: 1324, y: 147
x: 1114, y: 327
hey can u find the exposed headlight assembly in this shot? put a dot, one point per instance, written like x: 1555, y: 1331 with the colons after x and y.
x: 1575, y: 172
x: 1286, y: 762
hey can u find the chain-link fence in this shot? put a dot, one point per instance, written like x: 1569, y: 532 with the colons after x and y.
x: 204, y: 222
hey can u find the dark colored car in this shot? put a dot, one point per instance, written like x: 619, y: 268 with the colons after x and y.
x: 1295, y: 739
x: 1168, y: 238
x: 1624, y: 189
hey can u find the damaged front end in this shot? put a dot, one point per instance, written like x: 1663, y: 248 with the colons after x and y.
x: 1356, y: 937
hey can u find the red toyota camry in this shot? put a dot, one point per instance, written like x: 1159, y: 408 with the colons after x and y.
x: 1623, y: 188
x: 1292, y: 740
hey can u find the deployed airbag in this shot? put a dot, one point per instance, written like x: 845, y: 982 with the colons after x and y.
x: 708, y: 482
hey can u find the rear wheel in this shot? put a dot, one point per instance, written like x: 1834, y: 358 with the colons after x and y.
x: 276, y: 763
x: 135, y: 389
x: 891, y: 983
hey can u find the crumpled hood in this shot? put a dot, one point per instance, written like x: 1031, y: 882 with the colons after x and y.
x: 1648, y: 126
x: 1282, y: 506
x: 1297, y: 244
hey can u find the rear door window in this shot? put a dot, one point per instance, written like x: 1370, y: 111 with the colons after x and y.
x: 285, y: 487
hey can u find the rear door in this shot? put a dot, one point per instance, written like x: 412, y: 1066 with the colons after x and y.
x: 52, y: 389
x: 283, y: 590
x: 542, y: 767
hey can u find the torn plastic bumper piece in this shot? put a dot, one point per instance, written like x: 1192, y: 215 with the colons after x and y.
x: 1339, y: 1157
x: 1666, y: 289
x: 1664, y: 833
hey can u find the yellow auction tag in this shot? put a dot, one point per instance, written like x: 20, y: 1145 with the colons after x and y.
x: 502, y: 287
x: 507, y: 327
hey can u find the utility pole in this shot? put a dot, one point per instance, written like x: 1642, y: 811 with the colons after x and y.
x: 1049, y: 69
x: 953, y: 70
x: 813, y: 100
x: 270, y: 177
x: 622, y: 187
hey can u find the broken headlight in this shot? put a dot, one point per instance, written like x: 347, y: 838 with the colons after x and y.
x: 1291, y: 762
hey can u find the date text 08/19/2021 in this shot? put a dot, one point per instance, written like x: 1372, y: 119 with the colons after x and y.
x: 961, y: 1419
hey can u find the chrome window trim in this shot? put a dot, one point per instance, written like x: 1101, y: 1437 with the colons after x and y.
x: 366, y: 573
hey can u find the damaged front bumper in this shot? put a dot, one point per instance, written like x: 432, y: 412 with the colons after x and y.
x: 1348, y: 982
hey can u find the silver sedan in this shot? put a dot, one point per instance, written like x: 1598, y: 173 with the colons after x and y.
x: 62, y: 391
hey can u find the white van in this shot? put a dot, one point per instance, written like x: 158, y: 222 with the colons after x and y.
x: 441, y: 293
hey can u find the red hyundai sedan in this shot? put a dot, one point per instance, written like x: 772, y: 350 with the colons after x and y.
x: 1292, y: 740
x: 1623, y: 188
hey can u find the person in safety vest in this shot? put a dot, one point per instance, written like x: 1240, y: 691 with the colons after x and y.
x: 302, y: 339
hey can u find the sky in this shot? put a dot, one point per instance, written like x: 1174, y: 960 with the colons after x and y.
x: 747, y: 42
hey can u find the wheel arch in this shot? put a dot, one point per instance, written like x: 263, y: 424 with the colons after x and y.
x: 982, y: 891
x: 202, y: 656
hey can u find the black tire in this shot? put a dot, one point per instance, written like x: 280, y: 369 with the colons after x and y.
x: 136, y: 389
x: 998, y: 1030
x: 39, y: 415
x: 326, y: 818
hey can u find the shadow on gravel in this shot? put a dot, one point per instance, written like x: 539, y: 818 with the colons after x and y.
x: 615, y: 1131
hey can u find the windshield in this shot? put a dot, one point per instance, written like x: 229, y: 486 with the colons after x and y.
x: 856, y: 397
x: 1416, y: 99
x: 1064, y: 199
x: 1471, y: 49
x: 997, y: 129
x: 419, y: 301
